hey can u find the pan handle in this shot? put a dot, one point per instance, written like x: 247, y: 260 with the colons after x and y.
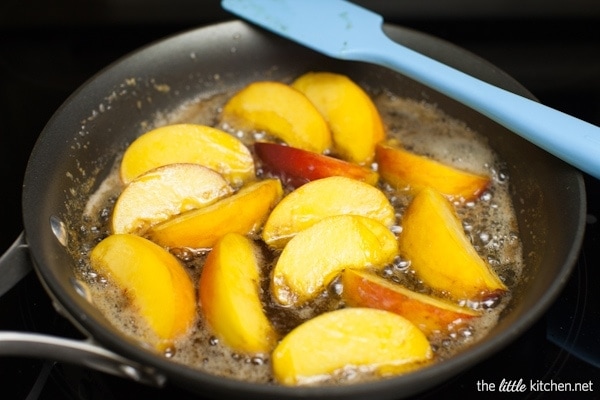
x: 78, y: 352
x: 15, y: 264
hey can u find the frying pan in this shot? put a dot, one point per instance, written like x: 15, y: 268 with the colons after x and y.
x: 81, y: 142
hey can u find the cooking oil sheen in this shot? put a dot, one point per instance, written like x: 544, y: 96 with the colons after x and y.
x: 489, y: 222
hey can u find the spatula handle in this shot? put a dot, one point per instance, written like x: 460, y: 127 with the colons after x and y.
x: 573, y: 140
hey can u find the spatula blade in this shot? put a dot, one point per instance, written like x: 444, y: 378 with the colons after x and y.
x: 346, y: 31
x: 333, y: 27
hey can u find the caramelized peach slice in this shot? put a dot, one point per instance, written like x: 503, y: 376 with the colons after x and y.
x: 363, y: 338
x: 155, y: 281
x: 281, y: 111
x: 441, y: 254
x: 243, y: 212
x: 404, y: 169
x: 351, y: 114
x: 297, y: 167
x: 316, y: 255
x: 163, y: 192
x: 431, y: 315
x: 189, y: 143
x: 322, y: 198
x: 229, y: 296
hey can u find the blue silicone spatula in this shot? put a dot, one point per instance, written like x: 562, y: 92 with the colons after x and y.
x: 344, y: 30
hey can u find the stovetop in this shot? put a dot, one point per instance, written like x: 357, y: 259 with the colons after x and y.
x: 556, y: 58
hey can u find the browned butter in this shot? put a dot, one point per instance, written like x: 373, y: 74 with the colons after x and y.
x: 490, y: 222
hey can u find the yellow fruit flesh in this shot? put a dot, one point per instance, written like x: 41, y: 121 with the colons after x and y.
x: 430, y: 314
x: 189, y: 143
x: 349, y: 338
x: 154, y: 280
x: 163, y: 192
x: 324, y: 198
x: 281, y: 111
x: 351, y: 114
x: 243, y: 212
x: 229, y: 296
x: 433, y: 240
x: 406, y: 170
x: 317, y: 254
x: 228, y: 287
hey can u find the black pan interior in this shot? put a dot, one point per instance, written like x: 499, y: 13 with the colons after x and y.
x: 80, y: 143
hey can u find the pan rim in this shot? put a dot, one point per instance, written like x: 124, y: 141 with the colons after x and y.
x: 187, y: 375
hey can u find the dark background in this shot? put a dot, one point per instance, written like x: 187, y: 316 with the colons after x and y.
x: 49, y: 48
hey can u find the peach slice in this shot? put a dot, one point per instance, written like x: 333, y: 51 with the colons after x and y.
x: 316, y: 255
x: 322, y: 198
x: 441, y: 254
x: 160, y: 193
x: 404, y: 169
x: 297, y: 167
x: 243, y: 212
x: 155, y: 281
x: 363, y: 338
x: 229, y: 296
x: 431, y: 315
x: 354, y: 120
x: 282, y: 112
x: 189, y: 143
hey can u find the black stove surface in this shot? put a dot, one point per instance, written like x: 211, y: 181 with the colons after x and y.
x: 558, y: 61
